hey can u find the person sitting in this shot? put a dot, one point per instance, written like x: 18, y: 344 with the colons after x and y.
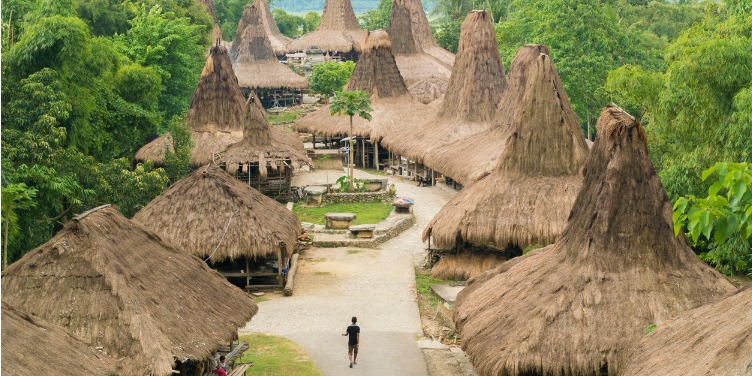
x: 219, y: 367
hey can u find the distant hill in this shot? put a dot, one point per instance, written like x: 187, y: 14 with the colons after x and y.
x: 303, y: 6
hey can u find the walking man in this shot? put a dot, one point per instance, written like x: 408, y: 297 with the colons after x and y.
x: 353, y: 341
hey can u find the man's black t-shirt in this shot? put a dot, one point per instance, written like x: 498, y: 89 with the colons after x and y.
x: 352, y: 332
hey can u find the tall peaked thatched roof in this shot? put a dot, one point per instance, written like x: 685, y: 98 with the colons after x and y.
x: 411, y: 39
x: 576, y: 306
x: 375, y: 73
x: 487, y: 146
x: 210, y: 213
x: 713, y: 339
x: 216, y: 115
x: 262, y: 143
x: 338, y: 30
x: 278, y: 40
x: 209, y: 4
x: 254, y: 59
x: 471, y: 99
x: 32, y: 346
x: 526, y: 199
x: 118, y: 286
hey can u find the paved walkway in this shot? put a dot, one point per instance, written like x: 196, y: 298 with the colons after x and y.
x: 376, y: 285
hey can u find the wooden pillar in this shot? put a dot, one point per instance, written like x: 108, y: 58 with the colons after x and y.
x: 247, y: 272
x: 314, y: 140
x: 280, y: 252
x: 376, y: 155
x: 433, y: 179
x: 363, y: 153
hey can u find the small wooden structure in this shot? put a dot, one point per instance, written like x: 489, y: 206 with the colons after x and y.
x: 255, y: 60
x: 245, y: 235
x: 115, y: 285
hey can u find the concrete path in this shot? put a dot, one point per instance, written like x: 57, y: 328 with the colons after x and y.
x: 376, y: 285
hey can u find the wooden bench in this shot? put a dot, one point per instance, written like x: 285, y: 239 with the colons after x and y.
x: 339, y: 221
x: 362, y: 231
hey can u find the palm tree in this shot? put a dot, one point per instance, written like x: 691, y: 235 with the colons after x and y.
x: 351, y: 103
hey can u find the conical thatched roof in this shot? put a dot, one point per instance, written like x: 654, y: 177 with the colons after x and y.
x: 278, y: 40
x: 254, y: 59
x: 263, y: 144
x: 576, y: 306
x: 528, y: 196
x: 32, y: 346
x: 409, y: 31
x: 116, y: 285
x: 209, y: 4
x: 216, y: 115
x: 467, y: 167
x: 471, y: 99
x: 713, y: 339
x: 210, y: 213
x: 338, y: 30
x: 375, y: 73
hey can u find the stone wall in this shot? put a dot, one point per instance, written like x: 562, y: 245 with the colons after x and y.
x: 339, y: 198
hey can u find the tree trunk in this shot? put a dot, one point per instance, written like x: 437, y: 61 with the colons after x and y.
x: 351, y: 154
x: 5, y: 240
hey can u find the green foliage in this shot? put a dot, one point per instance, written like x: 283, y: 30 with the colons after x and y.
x: 312, y: 20
x: 106, y: 17
x: 330, y: 77
x: 276, y: 356
x: 287, y: 116
x: 14, y: 197
x: 178, y: 158
x: 172, y: 46
x: 229, y: 13
x: 448, y: 35
x: 650, y: 328
x: 377, y: 18
x: 351, y: 103
x: 289, y: 24
x: 724, y: 216
x: 139, y: 85
x: 635, y: 89
x: 55, y: 42
x: 366, y: 212
x: 359, y: 185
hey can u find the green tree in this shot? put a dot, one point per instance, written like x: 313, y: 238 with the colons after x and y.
x: 288, y: 24
x: 174, y: 48
x: 228, y: 15
x: 178, y: 158
x: 378, y: 18
x: 312, y: 20
x: 723, y: 218
x: 351, y: 103
x: 448, y: 35
x: 330, y: 77
x: 14, y: 197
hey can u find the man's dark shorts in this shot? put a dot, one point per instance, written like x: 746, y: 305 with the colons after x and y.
x: 351, y: 348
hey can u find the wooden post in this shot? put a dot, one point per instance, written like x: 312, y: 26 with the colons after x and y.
x: 376, y: 155
x: 314, y: 140
x: 363, y: 152
x: 291, y: 275
x: 430, y: 252
x: 280, y: 251
x: 433, y: 179
x: 247, y: 272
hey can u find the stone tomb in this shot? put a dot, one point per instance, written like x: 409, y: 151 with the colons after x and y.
x: 339, y: 221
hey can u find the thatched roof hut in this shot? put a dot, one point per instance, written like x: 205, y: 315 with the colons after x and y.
x: 278, y: 40
x: 527, y: 198
x: 576, y: 306
x: 254, y: 59
x: 216, y: 115
x: 338, y: 30
x: 411, y: 41
x: 471, y: 99
x: 197, y: 210
x: 487, y: 146
x: 375, y: 73
x: 264, y: 145
x: 116, y: 285
x: 32, y: 346
x: 713, y: 339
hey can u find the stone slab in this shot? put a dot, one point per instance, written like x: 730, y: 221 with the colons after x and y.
x: 446, y: 292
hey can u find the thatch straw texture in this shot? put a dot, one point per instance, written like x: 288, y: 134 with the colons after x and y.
x: 254, y: 59
x: 278, y: 40
x: 210, y: 213
x: 216, y: 115
x: 338, y: 30
x: 375, y: 73
x: 429, y: 89
x: 409, y: 31
x: 713, y: 339
x: 466, y: 265
x: 527, y: 198
x: 576, y: 306
x: 32, y: 346
x: 455, y: 161
x: 471, y: 99
x: 116, y: 285
x: 262, y: 144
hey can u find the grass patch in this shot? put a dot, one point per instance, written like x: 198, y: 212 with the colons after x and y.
x: 353, y: 251
x: 284, y: 117
x: 259, y: 299
x: 276, y: 356
x: 366, y: 212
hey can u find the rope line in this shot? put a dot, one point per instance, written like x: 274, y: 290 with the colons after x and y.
x: 223, y: 235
